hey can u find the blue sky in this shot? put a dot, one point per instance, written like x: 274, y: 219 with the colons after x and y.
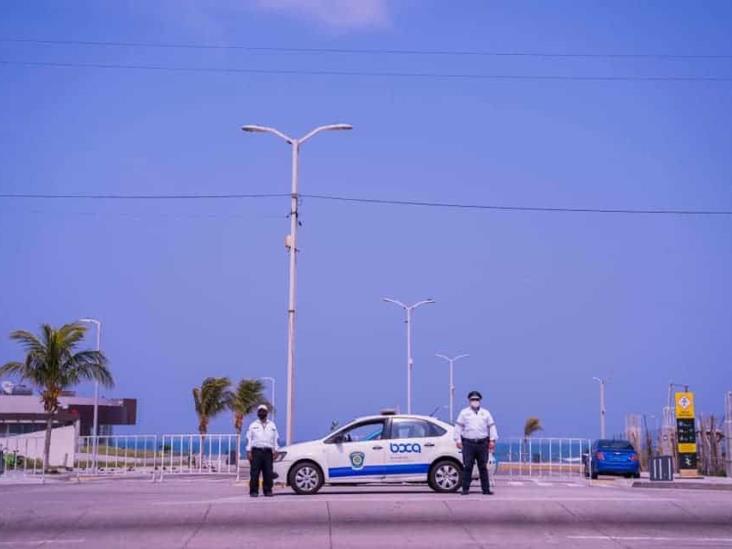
x: 541, y: 301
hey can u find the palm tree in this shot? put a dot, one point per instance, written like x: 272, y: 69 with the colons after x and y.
x: 210, y: 399
x: 52, y: 365
x: 243, y: 401
x: 532, y: 425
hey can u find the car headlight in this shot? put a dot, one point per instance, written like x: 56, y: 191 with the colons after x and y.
x: 280, y: 456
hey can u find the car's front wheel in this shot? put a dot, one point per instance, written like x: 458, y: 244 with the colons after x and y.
x: 445, y: 476
x: 306, y: 478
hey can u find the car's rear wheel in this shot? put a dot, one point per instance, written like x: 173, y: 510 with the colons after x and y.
x: 306, y: 478
x: 445, y: 476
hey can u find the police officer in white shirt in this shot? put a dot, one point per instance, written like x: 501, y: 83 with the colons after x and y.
x: 475, y: 434
x: 262, y: 446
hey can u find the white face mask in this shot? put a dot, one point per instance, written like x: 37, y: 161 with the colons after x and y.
x: 475, y: 404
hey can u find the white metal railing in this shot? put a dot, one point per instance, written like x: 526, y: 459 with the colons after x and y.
x: 116, y: 455
x: 22, y: 456
x: 547, y: 457
x: 188, y: 454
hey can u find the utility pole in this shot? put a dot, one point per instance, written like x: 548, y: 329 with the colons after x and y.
x: 602, y: 405
x: 291, y: 243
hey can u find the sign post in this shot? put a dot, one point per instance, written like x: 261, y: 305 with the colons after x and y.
x: 686, y: 434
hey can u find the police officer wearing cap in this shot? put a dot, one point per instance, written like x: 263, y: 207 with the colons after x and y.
x: 475, y: 435
x: 262, y: 446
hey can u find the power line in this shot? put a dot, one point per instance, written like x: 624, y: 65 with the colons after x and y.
x: 373, y: 201
x: 389, y: 74
x: 515, y: 208
x: 362, y: 51
x: 143, y: 196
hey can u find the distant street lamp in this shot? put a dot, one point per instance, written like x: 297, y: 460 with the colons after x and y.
x: 292, y: 247
x: 602, y: 405
x: 95, y: 425
x: 272, y: 388
x: 410, y: 363
x: 451, y: 362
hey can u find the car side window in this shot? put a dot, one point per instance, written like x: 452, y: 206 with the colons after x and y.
x: 414, y: 428
x: 372, y: 430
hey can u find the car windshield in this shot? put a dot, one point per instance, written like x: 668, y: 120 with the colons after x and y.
x: 615, y: 445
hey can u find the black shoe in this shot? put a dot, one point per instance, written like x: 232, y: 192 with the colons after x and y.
x: 268, y: 494
x: 488, y: 493
x: 253, y: 495
x: 464, y: 493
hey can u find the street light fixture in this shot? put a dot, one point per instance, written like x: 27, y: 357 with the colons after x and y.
x: 410, y: 363
x: 292, y: 248
x: 602, y: 405
x: 95, y: 424
x: 451, y: 362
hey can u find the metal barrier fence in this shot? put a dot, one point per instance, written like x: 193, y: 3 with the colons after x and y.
x: 22, y: 456
x: 555, y: 458
x: 187, y: 454
x: 116, y: 455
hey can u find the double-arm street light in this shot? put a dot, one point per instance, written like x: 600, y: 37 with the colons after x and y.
x: 451, y: 362
x: 95, y: 422
x: 292, y: 247
x: 410, y: 363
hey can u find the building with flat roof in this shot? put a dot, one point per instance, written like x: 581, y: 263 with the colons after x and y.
x: 21, y: 412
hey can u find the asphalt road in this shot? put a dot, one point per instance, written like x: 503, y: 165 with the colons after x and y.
x: 206, y: 513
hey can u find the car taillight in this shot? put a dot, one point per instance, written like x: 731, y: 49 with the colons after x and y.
x: 599, y: 456
x: 633, y: 457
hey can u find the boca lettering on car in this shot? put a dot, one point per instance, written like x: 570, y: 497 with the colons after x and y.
x: 405, y: 448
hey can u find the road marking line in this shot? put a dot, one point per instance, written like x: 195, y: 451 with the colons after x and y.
x: 335, y: 498
x: 515, y: 483
x: 652, y: 538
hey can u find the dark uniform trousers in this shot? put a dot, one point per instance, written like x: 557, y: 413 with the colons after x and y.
x: 262, y: 459
x: 475, y: 450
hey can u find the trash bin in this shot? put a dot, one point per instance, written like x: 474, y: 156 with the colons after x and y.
x: 662, y: 468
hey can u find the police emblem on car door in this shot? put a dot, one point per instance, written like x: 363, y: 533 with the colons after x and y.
x: 357, y: 460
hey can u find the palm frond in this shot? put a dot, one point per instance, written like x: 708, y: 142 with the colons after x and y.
x: 532, y: 425
x: 211, y: 398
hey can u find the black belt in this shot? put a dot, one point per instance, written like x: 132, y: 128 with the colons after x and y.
x: 262, y: 448
x: 476, y: 440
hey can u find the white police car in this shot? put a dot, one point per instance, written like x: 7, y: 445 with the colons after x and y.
x: 377, y: 449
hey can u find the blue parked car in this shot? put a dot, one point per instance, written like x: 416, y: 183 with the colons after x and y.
x: 612, y: 457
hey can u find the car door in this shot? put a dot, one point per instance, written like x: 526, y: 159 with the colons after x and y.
x: 356, y: 453
x: 411, y: 449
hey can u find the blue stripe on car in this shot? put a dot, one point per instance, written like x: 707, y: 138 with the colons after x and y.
x: 376, y: 470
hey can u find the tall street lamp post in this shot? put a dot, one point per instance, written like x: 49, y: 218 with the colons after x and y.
x: 451, y: 362
x: 292, y: 247
x: 95, y: 422
x: 410, y: 363
x: 272, y: 388
x: 602, y: 405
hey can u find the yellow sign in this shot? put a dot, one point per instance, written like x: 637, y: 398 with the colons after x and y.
x: 684, y: 405
x: 687, y: 447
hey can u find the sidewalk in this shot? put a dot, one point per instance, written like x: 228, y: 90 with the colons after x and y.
x: 702, y: 483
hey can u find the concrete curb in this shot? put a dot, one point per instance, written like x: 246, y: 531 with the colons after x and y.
x: 683, y: 485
